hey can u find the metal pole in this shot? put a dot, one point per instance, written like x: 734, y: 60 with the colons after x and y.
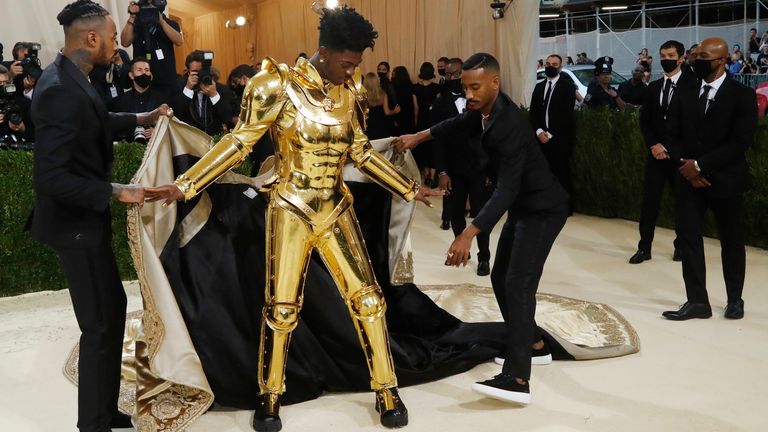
x: 697, y: 21
x: 597, y: 32
x: 642, y: 22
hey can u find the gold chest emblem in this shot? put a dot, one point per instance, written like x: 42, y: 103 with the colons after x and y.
x: 328, y: 104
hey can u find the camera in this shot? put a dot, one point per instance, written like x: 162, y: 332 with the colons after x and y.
x: 149, y: 12
x: 31, y: 62
x: 498, y: 9
x: 204, y: 75
x: 139, y: 135
x: 8, y: 107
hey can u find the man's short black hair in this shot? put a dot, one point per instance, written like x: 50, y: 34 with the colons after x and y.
x: 17, y: 47
x: 481, y: 61
x: 4, y: 70
x: 194, y: 56
x: 753, y: 29
x: 241, y: 70
x: 137, y: 60
x: 342, y: 28
x: 556, y: 56
x: 679, y: 47
x: 455, y: 60
x: 80, y: 10
x: 443, y: 59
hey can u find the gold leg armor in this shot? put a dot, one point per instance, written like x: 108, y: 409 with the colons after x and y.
x: 343, y: 251
x: 290, y: 241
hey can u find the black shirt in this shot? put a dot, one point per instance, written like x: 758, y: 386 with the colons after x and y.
x: 631, y: 93
x: 146, y: 42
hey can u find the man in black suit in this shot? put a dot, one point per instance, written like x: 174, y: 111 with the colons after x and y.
x: 537, y: 208
x: 711, y: 126
x: 458, y: 170
x: 551, y: 116
x: 659, y: 168
x: 207, y: 107
x: 72, y: 171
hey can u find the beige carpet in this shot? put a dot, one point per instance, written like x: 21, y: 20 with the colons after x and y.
x: 704, y: 375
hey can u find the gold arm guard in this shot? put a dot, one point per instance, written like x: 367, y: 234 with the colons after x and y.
x: 380, y: 170
x: 261, y: 104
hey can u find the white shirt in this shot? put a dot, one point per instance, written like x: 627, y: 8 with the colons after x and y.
x: 674, y: 79
x: 550, y: 82
x: 461, y: 104
x: 713, y: 91
x: 190, y: 94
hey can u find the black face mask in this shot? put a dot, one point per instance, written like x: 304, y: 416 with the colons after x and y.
x: 551, y: 71
x: 382, y: 75
x: 441, y: 72
x: 454, y: 86
x: 668, y: 65
x: 143, y: 81
x: 702, y: 68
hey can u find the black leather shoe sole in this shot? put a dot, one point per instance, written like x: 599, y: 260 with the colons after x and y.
x: 686, y: 312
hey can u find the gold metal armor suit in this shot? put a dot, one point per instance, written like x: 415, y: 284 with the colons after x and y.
x: 315, y: 127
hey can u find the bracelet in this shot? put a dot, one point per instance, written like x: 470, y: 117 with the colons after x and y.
x: 442, y: 173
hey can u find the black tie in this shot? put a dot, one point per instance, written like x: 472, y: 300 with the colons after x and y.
x: 703, y: 100
x: 665, y: 96
x: 549, y: 93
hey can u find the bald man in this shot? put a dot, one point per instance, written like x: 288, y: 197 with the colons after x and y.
x: 711, y: 126
x: 72, y: 172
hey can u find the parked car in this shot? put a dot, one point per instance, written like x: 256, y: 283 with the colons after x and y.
x: 582, y: 75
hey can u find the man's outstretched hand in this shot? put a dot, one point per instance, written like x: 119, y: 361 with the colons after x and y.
x: 167, y: 193
x: 425, y: 192
x: 405, y: 142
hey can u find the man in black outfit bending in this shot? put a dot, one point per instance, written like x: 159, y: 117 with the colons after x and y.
x: 537, y: 207
x: 711, y: 126
x: 72, y: 171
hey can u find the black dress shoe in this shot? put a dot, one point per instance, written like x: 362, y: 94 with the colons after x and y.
x: 639, y: 257
x: 688, y: 311
x: 504, y: 387
x: 266, y: 417
x: 677, y: 256
x: 120, y: 421
x: 483, y: 268
x: 735, y: 310
x: 445, y: 226
x: 392, y: 410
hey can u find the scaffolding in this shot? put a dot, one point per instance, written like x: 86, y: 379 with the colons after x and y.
x: 601, y: 30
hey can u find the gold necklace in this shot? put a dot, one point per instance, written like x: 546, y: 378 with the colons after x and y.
x: 328, y: 103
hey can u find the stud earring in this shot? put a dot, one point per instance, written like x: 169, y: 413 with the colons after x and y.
x: 322, y: 60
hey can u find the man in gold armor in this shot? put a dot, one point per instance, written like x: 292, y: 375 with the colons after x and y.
x: 315, y: 112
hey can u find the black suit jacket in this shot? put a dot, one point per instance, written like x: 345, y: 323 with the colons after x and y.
x: 719, y: 140
x: 215, y: 115
x: 511, y: 155
x: 561, y: 104
x: 653, y: 123
x: 73, y: 158
x: 452, y: 154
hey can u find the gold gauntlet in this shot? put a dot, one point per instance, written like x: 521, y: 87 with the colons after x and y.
x: 220, y: 159
x: 380, y: 170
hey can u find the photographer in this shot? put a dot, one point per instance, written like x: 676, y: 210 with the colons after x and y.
x: 153, y: 36
x: 13, y: 130
x: 24, y: 71
x: 140, y: 98
x: 111, y: 80
x: 202, y: 102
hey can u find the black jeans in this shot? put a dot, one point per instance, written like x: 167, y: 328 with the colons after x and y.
x: 692, y: 204
x: 99, y: 302
x: 657, y: 173
x: 478, y: 193
x: 522, y: 250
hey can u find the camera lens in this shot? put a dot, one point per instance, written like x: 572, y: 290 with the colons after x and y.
x: 138, y: 135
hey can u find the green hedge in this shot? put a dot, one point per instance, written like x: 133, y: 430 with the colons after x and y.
x: 608, y: 160
x: 27, y: 266
x: 608, y: 164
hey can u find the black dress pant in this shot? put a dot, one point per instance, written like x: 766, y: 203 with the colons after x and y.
x: 558, y: 155
x: 475, y: 189
x: 657, y: 173
x: 99, y: 302
x: 522, y: 250
x: 692, y: 204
